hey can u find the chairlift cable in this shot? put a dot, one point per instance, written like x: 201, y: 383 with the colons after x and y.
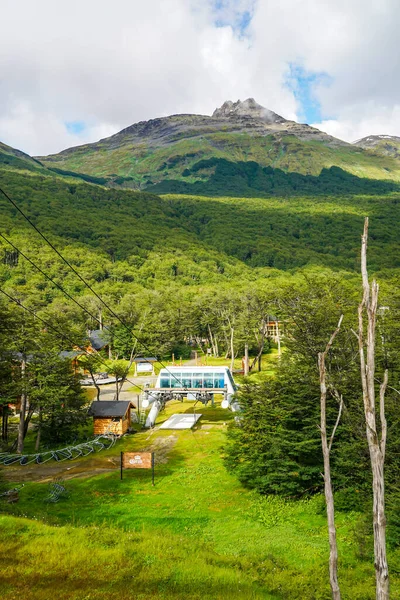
x: 52, y: 280
x: 82, y: 279
x: 59, y: 332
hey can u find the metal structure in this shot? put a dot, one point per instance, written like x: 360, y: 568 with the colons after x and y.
x: 194, y: 383
x: 101, y: 442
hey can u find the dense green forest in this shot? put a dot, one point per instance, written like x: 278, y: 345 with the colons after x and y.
x: 221, y: 177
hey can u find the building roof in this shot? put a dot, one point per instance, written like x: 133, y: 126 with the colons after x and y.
x: 140, y: 359
x: 69, y: 354
x: 110, y: 408
x: 99, y: 338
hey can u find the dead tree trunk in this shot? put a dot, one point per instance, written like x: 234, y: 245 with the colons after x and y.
x: 376, y: 442
x: 39, y: 430
x: 213, y: 341
x: 98, y: 391
x: 278, y: 339
x: 4, y: 423
x: 246, y: 360
x: 326, y: 450
x: 258, y: 358
x: 24, y: 400
x: 131, y: 359
x: 232, y: 349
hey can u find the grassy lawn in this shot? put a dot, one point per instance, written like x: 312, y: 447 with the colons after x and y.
x: 197, y: 534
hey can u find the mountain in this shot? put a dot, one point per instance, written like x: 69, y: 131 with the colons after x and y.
x: 385, y: 145
x: 226, y: 152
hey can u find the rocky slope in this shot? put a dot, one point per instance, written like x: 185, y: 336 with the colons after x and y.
x: 385, y: 145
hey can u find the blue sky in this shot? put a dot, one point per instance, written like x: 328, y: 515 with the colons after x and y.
x: 304, y: 86
x: 75, y: 127
x: 236, y: 13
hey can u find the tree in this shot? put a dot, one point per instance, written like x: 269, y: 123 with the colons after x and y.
x: 326, y: 450
x: 119, y: 369
x: 376, y: 441
x: 57, y: 398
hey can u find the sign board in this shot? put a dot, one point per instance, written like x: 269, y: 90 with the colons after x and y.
x: 144, y: 367
x: 138, y: 460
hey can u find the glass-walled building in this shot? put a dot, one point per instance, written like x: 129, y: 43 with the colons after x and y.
x: 196, y: 378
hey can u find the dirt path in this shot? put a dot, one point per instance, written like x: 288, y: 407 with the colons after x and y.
x: 90, y: 466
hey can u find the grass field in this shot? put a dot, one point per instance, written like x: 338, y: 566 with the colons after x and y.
x: 196, y: 534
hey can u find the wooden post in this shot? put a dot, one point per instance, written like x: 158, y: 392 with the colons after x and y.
x: 173, y: 359
x: 246, y: 360
x: 152, y: 468
x: 195, y: 357
x: 122, y: 459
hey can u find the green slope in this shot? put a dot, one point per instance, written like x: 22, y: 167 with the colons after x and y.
x: 139, y: 238
x: 12, y: 159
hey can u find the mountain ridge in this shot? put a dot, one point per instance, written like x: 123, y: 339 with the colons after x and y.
x: 182, y: 150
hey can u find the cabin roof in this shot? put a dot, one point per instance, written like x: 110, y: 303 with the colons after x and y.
x: 69, y: 354
x: 110, y: 408
x: 140, y: 359
x: 99, y: 338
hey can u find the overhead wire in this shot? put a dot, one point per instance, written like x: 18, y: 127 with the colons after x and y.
x: 83, y: 280
x: 60, y: 333
x: 52, y: 281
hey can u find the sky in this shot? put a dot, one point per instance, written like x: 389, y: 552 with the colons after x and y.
x: 73, y: 72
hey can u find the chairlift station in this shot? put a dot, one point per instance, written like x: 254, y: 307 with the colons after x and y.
x: 196, y: 383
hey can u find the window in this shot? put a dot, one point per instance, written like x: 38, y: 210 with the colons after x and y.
x: 176, y: 380
x: 187, y: 380
x: 197, y: 380
x: 208, y: 380
x: 219, y: 380
x: 165, y: 381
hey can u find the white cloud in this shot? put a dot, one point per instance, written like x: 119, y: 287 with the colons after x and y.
x: 110, y: 64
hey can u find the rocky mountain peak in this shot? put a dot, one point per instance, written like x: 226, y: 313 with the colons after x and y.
x: 247, y: 108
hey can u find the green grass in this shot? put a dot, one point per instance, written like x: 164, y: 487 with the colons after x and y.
x: 197, y: 534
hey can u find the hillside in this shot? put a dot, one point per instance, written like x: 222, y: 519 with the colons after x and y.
x: 10, y: 158
x: 143, y: 238
x: 191, y: 150
x: 384, y: 145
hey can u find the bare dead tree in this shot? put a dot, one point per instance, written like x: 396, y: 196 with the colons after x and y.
x: 24, y: 406
x: 376, y: 442
x: 131, y: 359
x: 326, y: 451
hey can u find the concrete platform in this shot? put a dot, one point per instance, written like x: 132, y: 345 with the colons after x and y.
x: 181, y: 422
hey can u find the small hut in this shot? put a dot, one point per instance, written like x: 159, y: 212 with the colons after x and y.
x: 111, y: 416
x: 144, y: 365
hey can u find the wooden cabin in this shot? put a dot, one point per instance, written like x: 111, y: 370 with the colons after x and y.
x: 111, y: 416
